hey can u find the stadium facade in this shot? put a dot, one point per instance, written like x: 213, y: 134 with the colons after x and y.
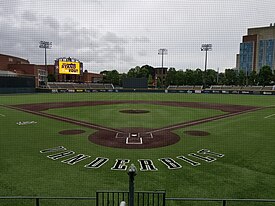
x: 16, y: 66
x: 257, y: 49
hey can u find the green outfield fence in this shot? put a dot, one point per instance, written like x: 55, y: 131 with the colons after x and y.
x: 142, y: 199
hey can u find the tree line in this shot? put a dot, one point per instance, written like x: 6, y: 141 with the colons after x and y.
x: 194, y: 77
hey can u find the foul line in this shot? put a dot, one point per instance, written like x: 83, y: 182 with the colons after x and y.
x: 64, y: 119
x: 2, y: 115
x: 269, y: 116
x: 192, y: 123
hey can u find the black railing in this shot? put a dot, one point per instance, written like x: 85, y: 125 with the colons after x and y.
x: 141, y: 198
x: 223, y: 202
x: 37, y: 200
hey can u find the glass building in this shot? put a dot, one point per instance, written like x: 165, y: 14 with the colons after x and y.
x: 266, y: 53
x: 246, y: 56
x: 257, y: 49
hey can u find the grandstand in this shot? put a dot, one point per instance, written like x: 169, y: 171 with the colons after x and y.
x: 223, y: 89
x: 252, y: 88
x: 184, y: 87
x: 216, y: 87
x: 236, y: 88
x: 73, y: 86
x: 269, y: 88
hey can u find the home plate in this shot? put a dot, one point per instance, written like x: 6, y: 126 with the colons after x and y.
x: 135, y: 137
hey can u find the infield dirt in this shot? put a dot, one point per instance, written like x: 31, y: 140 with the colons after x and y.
x: 135, y: 138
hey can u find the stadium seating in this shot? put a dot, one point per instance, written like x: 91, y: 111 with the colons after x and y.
x: 67, y: 85
x: 252, y: 88
x: 184, y: 87
x: 269, y: 88
x: 216, y: 87
x: 223, y: 88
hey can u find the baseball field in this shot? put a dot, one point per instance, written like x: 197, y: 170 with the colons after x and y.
x: 190, y: 145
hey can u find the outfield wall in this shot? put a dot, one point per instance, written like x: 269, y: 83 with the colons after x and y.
x: 16, y: 90
x: 15, y: 84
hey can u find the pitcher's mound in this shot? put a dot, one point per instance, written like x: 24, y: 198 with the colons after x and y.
x: 134, y: 111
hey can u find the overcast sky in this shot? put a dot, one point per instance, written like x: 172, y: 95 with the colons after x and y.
x: 122, y: 34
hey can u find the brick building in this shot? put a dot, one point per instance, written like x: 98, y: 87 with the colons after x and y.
x: 22, y: 67
x: 6, y: 60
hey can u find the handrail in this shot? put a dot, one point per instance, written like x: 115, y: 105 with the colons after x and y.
x: 215, y: 199
x: 223, y: 201
x: 38, y: 197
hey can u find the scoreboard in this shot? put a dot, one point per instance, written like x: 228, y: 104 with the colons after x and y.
x: 68, y: 66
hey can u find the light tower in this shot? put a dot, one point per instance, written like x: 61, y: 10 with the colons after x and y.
x: 162, y: 52
x: 45, y: 45
x: 206, y: 48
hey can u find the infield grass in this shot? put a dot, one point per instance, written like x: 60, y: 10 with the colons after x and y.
x: 247, y: 141
x: 158, y: 116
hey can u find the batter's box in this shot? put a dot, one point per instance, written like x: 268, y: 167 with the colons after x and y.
x: 147, y: 135
x: 134, y: 140
x: 134, y: 137
x: 122, y: 135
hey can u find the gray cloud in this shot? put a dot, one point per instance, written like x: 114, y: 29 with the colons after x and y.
x: 51, y: 22
x: 142, y: 39
x: 29, y: 16
x: 142, y: 53
x: 69, y: 39
x: 110, y: 37
x: 125, y: 33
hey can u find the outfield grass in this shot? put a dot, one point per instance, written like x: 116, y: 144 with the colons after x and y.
x: 247, y: 141
x: 242, y: 99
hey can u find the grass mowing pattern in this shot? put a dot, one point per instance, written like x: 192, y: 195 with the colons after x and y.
x: 246, y: 171
x: 110, y: 115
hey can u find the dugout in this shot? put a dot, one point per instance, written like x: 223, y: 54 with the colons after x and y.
x: 135, y: 83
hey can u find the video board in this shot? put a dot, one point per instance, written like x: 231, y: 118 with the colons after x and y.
x: 66, y: 67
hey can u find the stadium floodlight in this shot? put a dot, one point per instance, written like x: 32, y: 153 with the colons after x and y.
x: 45, y: 45
x: 206, y: 48
x: 162, y: 52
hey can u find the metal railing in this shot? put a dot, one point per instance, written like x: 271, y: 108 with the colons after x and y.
x: 142, y: 198
x: 222, y: 201
x: 37, y: 200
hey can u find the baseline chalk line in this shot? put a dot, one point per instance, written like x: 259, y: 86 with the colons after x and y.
x: 269, y: 116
